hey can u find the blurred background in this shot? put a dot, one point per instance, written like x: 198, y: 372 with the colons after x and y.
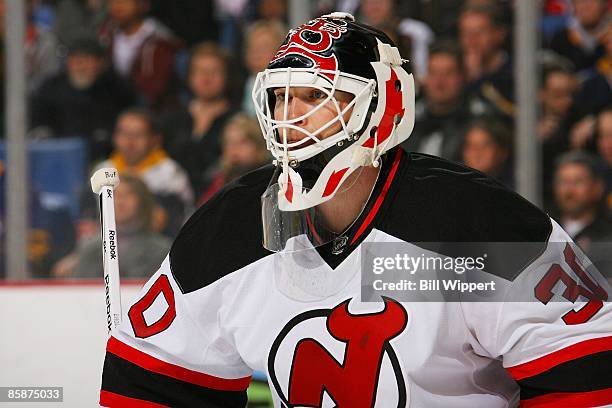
x: 520, y: 90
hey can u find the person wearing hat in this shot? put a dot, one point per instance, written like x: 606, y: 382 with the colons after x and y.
x: 83, y: 100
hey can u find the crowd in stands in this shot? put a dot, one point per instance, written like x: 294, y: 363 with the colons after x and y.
x: 161, y: 90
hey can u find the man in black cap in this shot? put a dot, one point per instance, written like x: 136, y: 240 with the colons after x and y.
x: 83, y: 100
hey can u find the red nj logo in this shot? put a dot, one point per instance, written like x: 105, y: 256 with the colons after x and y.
x: 354, y: 380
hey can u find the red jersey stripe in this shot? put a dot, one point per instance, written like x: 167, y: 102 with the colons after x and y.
x: 380, y: 198
x: 544, y: 363
x: 155, y: 365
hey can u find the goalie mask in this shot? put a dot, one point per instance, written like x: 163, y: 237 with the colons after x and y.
x: 333, y: 99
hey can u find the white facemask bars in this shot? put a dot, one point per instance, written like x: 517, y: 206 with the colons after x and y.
x: 311, y: 144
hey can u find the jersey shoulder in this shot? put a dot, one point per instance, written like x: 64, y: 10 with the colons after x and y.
x: 438, y: 201
x: 463, y: 204
x: 223, y: 235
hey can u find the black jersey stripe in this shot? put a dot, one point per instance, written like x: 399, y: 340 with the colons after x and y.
x: 110, y: 399
x: 588, y: 373
x: 599, y: 398
x: 158, y: 366
x: 560, y: 356
x: 123, y: 378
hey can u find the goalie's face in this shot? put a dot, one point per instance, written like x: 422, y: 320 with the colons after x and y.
x: 333, y: 99
x: 301, y: 102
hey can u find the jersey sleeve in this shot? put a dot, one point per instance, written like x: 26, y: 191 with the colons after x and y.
x: 171, y: 350
x: 556, y: 342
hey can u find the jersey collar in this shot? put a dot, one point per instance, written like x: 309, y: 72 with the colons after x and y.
x: 336, y: 251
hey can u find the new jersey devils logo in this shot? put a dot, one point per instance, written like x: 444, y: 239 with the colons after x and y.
x: 348, y: 370
x: 312, y: 41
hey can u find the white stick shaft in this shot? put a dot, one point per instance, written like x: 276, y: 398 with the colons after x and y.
x: 111, y: 259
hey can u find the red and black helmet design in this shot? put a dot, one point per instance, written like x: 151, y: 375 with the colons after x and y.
x: 333, y: 42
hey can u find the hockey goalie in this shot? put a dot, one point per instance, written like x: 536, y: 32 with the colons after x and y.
x: 268, y: 276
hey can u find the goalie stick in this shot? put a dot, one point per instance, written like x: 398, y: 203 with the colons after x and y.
x: 103, y: 183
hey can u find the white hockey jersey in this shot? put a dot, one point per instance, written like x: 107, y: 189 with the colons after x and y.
x: 221, y: 306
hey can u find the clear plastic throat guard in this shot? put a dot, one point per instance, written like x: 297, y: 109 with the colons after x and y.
x: 291, y: 231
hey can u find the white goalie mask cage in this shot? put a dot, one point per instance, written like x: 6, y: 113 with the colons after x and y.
x: 379, y: 116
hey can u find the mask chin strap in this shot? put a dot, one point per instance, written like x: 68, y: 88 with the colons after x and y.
x: 285, y: 167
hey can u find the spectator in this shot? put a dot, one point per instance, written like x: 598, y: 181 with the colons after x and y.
x: 230, y: 15
x: 555, y: 15
x: 579, y: 190
x: 412, y: 37
x: 84, y: 100
x: 192, y: 134
x: 137, y: 141
x: 557, y: 92
x: 444, y: 110
x: 580, y: 41
x: 243, y: 150
x: 581, y: 135
x: 262, y: 40
x: 78, y: 18
x: 440, y: 15
x: 596, y: 91
x: 487, y: 65
x: 141, y: 250
x: 143, y: 50
x: 594, y: 95
x: 193, y: 21
x: 487, y: 148
x: 604, y: 148
x: 272, y: 10
x: 42, y: 53
x: 42, y: 56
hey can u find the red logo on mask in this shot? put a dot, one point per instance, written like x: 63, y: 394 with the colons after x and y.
x: 312, y: 41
